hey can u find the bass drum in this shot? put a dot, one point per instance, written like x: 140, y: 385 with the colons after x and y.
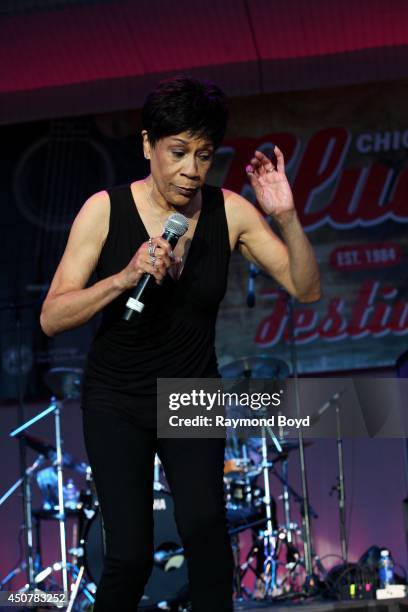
x: 168, y: 581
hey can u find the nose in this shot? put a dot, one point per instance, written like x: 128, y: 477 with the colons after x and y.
x: 190, y: 168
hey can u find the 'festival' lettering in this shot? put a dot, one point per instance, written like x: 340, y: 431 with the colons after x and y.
x: 372, y: 314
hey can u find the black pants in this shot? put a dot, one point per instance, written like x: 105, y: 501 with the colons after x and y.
x: 121, y: 456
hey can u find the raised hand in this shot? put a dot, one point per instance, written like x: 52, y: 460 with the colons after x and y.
x: 270, y: 184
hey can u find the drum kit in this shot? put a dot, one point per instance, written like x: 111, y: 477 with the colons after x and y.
x: 270, y: 564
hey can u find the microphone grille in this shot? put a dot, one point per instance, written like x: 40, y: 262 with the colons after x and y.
x: 176, y: 224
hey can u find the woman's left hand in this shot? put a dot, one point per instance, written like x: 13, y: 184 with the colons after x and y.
x: 270, y: 184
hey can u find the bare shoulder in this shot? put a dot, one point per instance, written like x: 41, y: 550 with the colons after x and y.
x: 238, y: 206
x: 100, y: 198
x: 241, y: 215
x: 94, y: 215
x: 231, y: 198
x: 85, y: 242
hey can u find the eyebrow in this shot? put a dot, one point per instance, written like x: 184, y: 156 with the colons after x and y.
x: 207, y: 144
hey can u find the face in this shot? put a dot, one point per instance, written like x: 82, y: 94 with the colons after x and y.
x: 179, y: 165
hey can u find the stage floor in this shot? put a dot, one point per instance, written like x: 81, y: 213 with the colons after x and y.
x: 386, y: 605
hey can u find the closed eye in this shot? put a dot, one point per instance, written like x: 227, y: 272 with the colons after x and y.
x: 204, y: 157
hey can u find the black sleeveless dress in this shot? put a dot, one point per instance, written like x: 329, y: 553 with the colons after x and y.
x: 174, y: 335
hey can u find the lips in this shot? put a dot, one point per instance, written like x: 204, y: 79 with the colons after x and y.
x: 187, y: 190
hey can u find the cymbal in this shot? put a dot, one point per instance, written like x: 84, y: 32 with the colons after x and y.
x: 65, y: 383
x: 256, y: 366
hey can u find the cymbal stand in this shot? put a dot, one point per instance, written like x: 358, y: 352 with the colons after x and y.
x: 296, y: 496
x: 305, y: 491
x: 269, y: 538
x: 286, y: 500
x: 29, y: 471
x: 313, y: 514
x: 238, y: 575
x: 17, y: 307
x: 25, y: 482
x: 55, y: 407
x: 341, y: 488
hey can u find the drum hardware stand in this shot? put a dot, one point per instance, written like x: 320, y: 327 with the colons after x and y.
x: 269, y: 539
x: 83, y: 588
x: 75, y: 589
x: 307, y: 542
x: 29, y: 472
x: 238, y: 576
x: 286, y: 501
x: 291, y: 528
x: 241, y: 528
x: 292, y: 493
x: 242, y: 568
x: 79, y: 586
x: 55, y: 407
x: 340, y: 486
x: 269, y: 535
x: 25, y: 482
x: 21, y: 567
x: 299, y: 499
x: 17, y: 307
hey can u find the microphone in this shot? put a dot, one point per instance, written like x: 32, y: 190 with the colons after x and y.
x: 334, y: 398
x: 176, y: 226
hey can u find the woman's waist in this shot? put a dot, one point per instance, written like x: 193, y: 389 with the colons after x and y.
x: 151, y: 362
x: 147, y: 341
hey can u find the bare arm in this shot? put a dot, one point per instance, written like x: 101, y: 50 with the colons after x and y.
x: 303, y: 269
x: 292, y: 261
x: 68, y: 303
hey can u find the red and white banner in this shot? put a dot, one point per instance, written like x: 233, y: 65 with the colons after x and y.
x: 350, y: 183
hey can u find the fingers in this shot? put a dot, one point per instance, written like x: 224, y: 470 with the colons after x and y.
x: 160, y: 262
x: 158, y: 241
x: 257, y: 163
x: 280, y: 160
x: 260, y: 164
x: 175, y: 260
x: 262, y: 158
x: 161, y: 257
x: 158, y: 269
x: 156, y: 262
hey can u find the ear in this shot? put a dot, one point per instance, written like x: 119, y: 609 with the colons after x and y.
x: 146, y: 144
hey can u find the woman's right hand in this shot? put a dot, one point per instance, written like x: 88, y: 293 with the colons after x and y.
x: 143, y: 262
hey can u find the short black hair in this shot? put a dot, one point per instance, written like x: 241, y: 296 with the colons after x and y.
x: 185, y: 104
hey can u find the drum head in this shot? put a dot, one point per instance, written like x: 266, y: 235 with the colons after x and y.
x: 168, y: 581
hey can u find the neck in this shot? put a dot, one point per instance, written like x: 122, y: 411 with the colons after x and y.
x: 161, y: 205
